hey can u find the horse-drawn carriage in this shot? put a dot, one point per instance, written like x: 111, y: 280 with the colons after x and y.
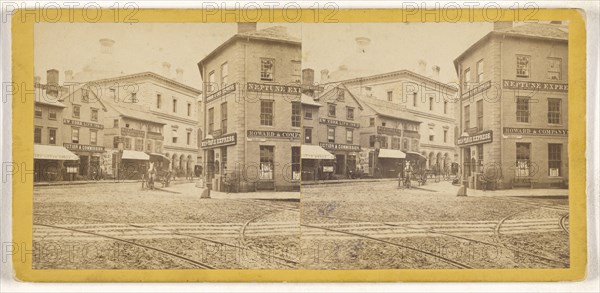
x: 157, y: 171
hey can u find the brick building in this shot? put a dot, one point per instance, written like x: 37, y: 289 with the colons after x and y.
x: 513, y: 103
x: 252, y: 111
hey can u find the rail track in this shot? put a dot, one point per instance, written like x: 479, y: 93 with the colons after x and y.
x: 563, y: 223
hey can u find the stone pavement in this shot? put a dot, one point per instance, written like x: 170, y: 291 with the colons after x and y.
x: 449, y: 188
x: 196, y: 189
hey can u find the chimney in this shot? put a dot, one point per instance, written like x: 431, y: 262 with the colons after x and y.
x: 68, y: 75
x: 324, y: 75
x: 244, y: 27
x: 435, y: 72
x: 179, y: 76
x: 498, y: 25
x: 166, y: 69
x: 36, y: 79
x: 52, y: 82
x: 422, y: 67
x: 106, y: 46
x: 362, y: 43
x: 308, y: 76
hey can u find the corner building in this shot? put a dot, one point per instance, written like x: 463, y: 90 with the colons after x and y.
x: 252, y: 111
x: 513, y: 106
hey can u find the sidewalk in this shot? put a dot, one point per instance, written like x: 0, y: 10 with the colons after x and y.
x: 341, y: 181
x: 193, y: 188
x: 449, y: 188
x: 107, y: 181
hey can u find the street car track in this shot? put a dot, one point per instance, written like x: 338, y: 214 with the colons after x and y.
x: 563, y: 223
x: 189, y: 260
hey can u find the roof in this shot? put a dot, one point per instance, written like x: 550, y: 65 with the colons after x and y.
x: 384, y: 108
x: 150, y: 75
x: 130, y: 111
x: 49, y: 101
x: 335, y: 89
x: 393, y: 73
x: 79, y: 87
x: 308, y: 100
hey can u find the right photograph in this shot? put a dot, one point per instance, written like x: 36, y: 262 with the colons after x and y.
x: 434, y: 145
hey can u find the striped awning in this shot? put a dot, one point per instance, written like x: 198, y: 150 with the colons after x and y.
x: 315, y: 152
x: 135, y: 155
x: 53, y: 152
x: 394, y: 154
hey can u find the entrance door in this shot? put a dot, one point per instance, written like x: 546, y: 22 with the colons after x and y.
x: 523, y: 159
x: 84, y: 163
x: 210, y: 164
x: 340, y: 161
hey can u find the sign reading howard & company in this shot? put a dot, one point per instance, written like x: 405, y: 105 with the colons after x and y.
x: 534, y: 85
x: 274, y: 134
x: 82, y: 123
x: 389, y: 130
x: 482, y: 137
x: 83, y: 147
x: 340, y: 147
x: 338, y: 122
x: 229, y: 139
x: 272, y: 88
x: 536, y: 131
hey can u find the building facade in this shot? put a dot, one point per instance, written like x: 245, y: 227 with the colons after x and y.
x: 513, y: 103
x: 251, y: 116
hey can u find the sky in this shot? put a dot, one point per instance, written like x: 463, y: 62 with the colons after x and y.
x: 144, y: 46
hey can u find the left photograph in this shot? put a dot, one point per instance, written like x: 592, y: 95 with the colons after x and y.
x: 167, y: 146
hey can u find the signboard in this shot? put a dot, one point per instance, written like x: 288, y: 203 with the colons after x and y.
x: 272, y: 88
x: 156, y: 136
x: 274, y: 134
x: 534, y: 85
x: 389, y: 130
x: 482, y: 137
x: 328, y: 169
x: 222, y: 92
x: 338, y: 122
x: 340, y: 147
x: 536, y: 131
x: 229, y: 139
x: 82, y: 123
x: 478, y: 89
x: 83, y: 147
x: 132, y: 132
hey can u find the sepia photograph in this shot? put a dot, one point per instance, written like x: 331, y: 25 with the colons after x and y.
x: 330, y: 146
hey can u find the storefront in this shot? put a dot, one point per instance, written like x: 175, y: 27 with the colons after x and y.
x: 133, y: 165
x: 216, y: 153
x: 277, y: 155
x: 52, y: 163
x: 345, y: 158
x: 314, y: 158
x: 473, y: 148
x: 90, y: 159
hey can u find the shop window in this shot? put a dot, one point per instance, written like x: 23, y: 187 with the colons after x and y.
x: 331, y: 110
x: 224, y: 118
x: 267, y: 155
x: 330, y: 133
x: 266, y: 112
x: 93, y: 137
x: 554, y: 109
x: 211, y: 120
x: 523, y: 154
x: 349, y: 113
x: 349, y: 136
x: 523, y: 109
x: 267, y: 68
x: 554, y: 68
x: 308, y: 135
x: 38, y: 112
x: 51, y: 136
x: 523, y: 66
x: 295, y: 163
x: 296, y: 115
x: 37, y: 135
x: 76, y: 111
x: 554, y: 159
x: 94, y: 115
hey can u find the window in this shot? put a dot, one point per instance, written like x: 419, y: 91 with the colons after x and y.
x: 296, y: 115
x: 266, y: 162
x: 223, y: 160
x: 430, y: 103
x: 76, y: 111
x: 113, y: 94
x: 480, y: 115
x: 149, y: 146
x: 74, y: 134
x: 94, y: 115
x: 134, y: 98
x: 308, y: 114
x: 384, y: 141
x: 395, y: 143
x: 174, y: 105
x: 38, y: 112
x: 85, y: 96
x: 371, y: 121
x: 116, y: 123
x: 405, y: 145
x: 295, y: 163
x: 445, y: 135
x: 349, y: 136
x: 211, y: 120
x: 445, y: 107
x: 139, y: 144
x: 467, y: 79
x: 523, y: 65
x: 554, y: 159
x: 554, y: 68
x: 308, y: 135
x: 554, y: 106
x: 224, y: 74
x: 266, y: 112
x: 188, y: 138
x: 415, y: 145
x: 330, y: 133
x: 331, y: 110
x: 189, y: 109
x: 349, y: 113
x: 414, y: 99
x: 372, y: 140
x: 267, y: 67
x: 51, y: 113
x: 224, y: 118
x: 341, y: 95
x: 158, y: 146
x: 37, y: 135
x: 158, y: 101
x: 431, y: 137
x: 93, y: 137
x: 127, y: 143
x: 523, y: 109
x: 390, y: 95
x: 211, y: 82
x: 296, y: 70
x: 523, y: 151
x: 383, y: 124
x: 480, y: 155
x: 51, y: 135
x: 480, y: 75
x: 467, y: 117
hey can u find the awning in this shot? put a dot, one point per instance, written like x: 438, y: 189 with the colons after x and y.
x: 415, y: 156
x: 395, y: 154
x: 135, y: 155
x: 315, y: 152
x: 161, y: 156
x: 52, y: 152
